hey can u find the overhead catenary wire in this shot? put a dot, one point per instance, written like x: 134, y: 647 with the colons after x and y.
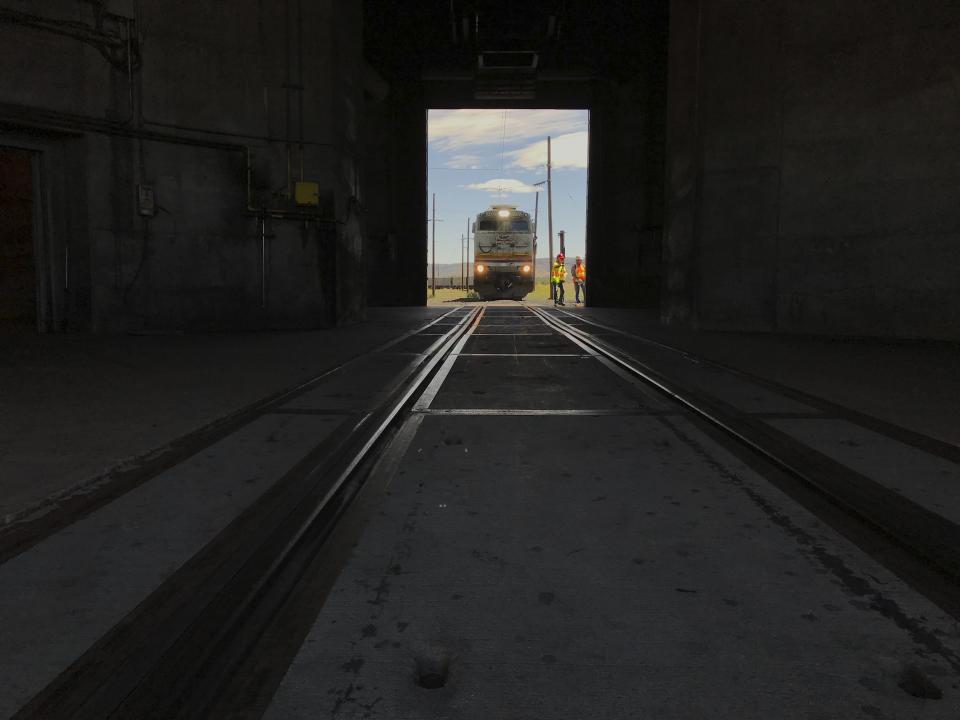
x: 503, y: 139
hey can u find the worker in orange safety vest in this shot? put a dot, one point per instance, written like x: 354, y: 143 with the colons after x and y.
x: 580, y: 279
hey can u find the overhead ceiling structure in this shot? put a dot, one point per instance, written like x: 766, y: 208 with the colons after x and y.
x: 506, y: 47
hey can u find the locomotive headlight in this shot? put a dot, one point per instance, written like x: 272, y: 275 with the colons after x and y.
x: 526, y: 268
x: 504, y: 213
x: 480, y: 268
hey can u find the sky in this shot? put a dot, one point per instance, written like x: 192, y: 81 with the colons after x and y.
x: 476, y: 158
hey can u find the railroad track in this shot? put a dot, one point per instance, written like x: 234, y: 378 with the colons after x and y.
x: 931, y: 539
x: 215, y: 638
x: 174, y: 655
x: 25, y: 529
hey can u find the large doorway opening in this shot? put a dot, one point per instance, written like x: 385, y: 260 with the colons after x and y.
x: 18, y: 256
x: 506, y: 194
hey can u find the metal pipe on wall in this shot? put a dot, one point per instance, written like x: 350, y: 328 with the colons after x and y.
x: 130, y: 71
x: 263, y: 262
x: 286, y: 86
x: 300, y: 81
x: 132, y: 29
x: 67, y: 28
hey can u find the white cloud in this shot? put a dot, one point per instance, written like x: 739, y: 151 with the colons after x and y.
x: 502, y: 187
x: 457, y: 129
x: 465, y: 162
x: 566, y: 151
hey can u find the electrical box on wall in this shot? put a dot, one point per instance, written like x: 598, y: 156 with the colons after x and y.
x: 307, y: 193
x: 146, y: 204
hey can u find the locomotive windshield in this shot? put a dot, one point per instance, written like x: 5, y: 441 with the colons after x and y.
x: 514, y: 225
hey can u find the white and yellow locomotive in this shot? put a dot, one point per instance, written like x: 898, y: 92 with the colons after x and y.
x: 505, y: 251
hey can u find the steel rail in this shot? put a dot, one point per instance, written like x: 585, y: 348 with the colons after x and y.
x: 151, y: 663
x: 929, y: 537
x: 899, y: 433
x: 24, y: 529
x: 193, y: 704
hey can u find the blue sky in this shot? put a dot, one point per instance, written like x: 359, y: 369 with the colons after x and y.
x: 479, y: 157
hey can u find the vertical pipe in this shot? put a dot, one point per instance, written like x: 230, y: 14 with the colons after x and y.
x: 462, y: 254
x: 133, y: 110
x: 433, y: 250
x: 263, y: 261
x: 549, y: 206
x: 287, y: 86
x: 300, y: 80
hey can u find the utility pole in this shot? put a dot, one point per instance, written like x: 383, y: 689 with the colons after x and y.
x: 549, y: 205
x: 433, y: 251
x: 536, y: 207
x: 461, y: 260
x: 469, y: 259
x: 536, y: 229
x: 563, y: 244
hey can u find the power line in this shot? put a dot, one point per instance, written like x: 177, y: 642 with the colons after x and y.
x: 479, y: 169
x: 503, y: 138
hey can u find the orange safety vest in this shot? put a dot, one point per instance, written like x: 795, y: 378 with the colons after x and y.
x: 580, y: 272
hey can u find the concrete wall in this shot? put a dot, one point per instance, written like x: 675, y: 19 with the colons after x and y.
x: 395, y: 182
x: 18, y: 297
x: 625, y: 193
x: 813, y: 167
x: 217, y: 79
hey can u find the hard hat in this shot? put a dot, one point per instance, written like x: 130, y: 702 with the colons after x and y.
x: 560, y: 256
x: 579, y: 258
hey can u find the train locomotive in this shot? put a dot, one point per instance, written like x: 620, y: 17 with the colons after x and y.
x: 505, y: 250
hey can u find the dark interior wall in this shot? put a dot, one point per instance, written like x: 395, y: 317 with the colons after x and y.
x: 812, y: 167
x: 18, y: 274
x: 212, y: 82
x: 627, y: 150
x: 395, y: 183
x: 381, y: 251
x: 625, y: 214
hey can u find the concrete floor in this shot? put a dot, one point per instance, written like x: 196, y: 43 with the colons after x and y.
x: 595, y: 566
x: 558, y: 541
x: 63, y: 593
x: 77, y: 406
x: 912, y: 384
x: 639, y: 571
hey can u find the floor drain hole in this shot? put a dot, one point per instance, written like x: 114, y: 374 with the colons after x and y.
x: 432, y: 672
x: 432, y: 680
x: 915, y: 682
